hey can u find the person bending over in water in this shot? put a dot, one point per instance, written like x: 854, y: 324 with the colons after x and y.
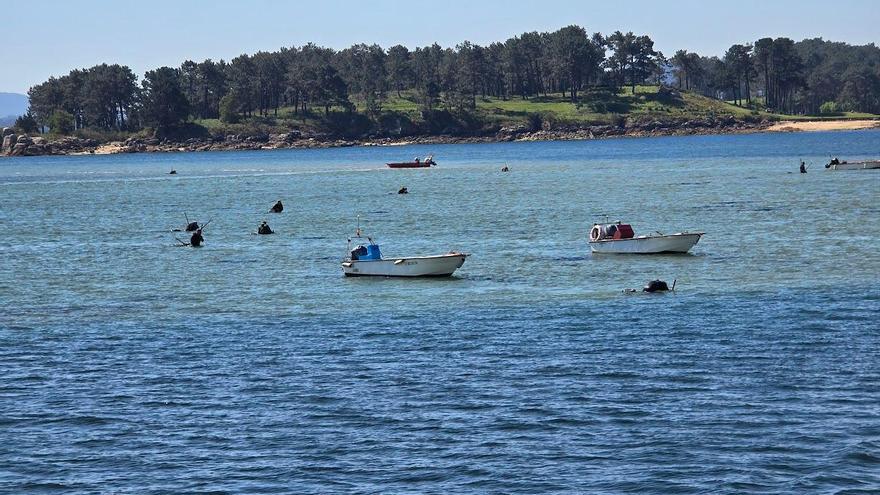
x: 264, y: 229
x: 196, y: 240
x: 277, y: 207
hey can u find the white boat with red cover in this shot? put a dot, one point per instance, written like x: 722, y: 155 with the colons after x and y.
x: 619, y: 238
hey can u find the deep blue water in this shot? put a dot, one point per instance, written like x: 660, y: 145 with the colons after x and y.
x: 252, y: 365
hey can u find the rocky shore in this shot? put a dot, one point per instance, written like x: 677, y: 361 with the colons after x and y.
x: 24, y: 145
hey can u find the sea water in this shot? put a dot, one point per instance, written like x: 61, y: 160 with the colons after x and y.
x: 129, y: 364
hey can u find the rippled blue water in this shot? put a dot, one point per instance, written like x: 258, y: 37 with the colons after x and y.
x: 129, y: 365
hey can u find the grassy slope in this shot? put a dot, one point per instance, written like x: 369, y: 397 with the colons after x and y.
x: 598, y: 106
x: 602, y: 106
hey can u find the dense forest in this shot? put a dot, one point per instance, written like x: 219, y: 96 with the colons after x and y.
x: 778, y: 75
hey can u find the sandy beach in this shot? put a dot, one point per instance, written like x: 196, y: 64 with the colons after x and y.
x: 823, y: 125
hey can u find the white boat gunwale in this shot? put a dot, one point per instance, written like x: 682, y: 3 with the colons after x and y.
x: 400, y: 268
x: 642, y: 237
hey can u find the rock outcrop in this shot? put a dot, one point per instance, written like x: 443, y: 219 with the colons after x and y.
x: 23, y: 145
x: 8, y: 143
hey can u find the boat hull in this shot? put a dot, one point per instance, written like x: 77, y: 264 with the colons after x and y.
x: 673, y: 243
x: 874, y: 164
x: 442, y: 265
x: 409, y: 165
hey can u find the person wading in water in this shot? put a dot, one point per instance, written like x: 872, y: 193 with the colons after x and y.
x: 264, y: 229
x: 277, y: 207
x: 196, y: 240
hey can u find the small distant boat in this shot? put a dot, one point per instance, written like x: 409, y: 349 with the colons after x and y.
x: 366, y: 260
x: 416, y: 163
x: 619, y: 238
x: 836, y: 164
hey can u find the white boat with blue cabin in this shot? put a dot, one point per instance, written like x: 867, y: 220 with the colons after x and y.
x: 365, y: 260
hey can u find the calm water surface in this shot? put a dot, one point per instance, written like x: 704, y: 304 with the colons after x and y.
x: 129, y: 365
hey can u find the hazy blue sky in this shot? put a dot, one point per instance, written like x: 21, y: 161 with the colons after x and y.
x: 52, y: 37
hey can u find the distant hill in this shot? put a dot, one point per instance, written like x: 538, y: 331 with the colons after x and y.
x: 11, y: 106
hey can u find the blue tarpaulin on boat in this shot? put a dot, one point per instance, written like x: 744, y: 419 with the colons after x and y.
x: 372, y: 253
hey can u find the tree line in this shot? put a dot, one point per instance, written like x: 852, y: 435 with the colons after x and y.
x: 808, y: 77
x: 779, y: 74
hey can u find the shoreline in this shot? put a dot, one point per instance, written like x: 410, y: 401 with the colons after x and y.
x: 24, y: 145
x: 823, y: 125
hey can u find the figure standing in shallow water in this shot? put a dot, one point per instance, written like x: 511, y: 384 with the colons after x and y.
x: 196, y: 240
x: 264, y: 229
x: 803, y: 167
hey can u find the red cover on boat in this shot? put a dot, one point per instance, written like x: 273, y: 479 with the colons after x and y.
x: 624, y: 231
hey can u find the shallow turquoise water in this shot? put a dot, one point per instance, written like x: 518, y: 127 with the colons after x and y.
x: 252, y: 365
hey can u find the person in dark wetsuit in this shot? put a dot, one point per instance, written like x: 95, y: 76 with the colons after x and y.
x: 264, y: 229
x: 403, y: 190
x: 803, y: 167
x: 192, y: 226
x: 656, y: 286
x: 196, y: 240
x: 277, y: 207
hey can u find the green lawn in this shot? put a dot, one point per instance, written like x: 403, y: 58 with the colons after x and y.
x: 602, y: 106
